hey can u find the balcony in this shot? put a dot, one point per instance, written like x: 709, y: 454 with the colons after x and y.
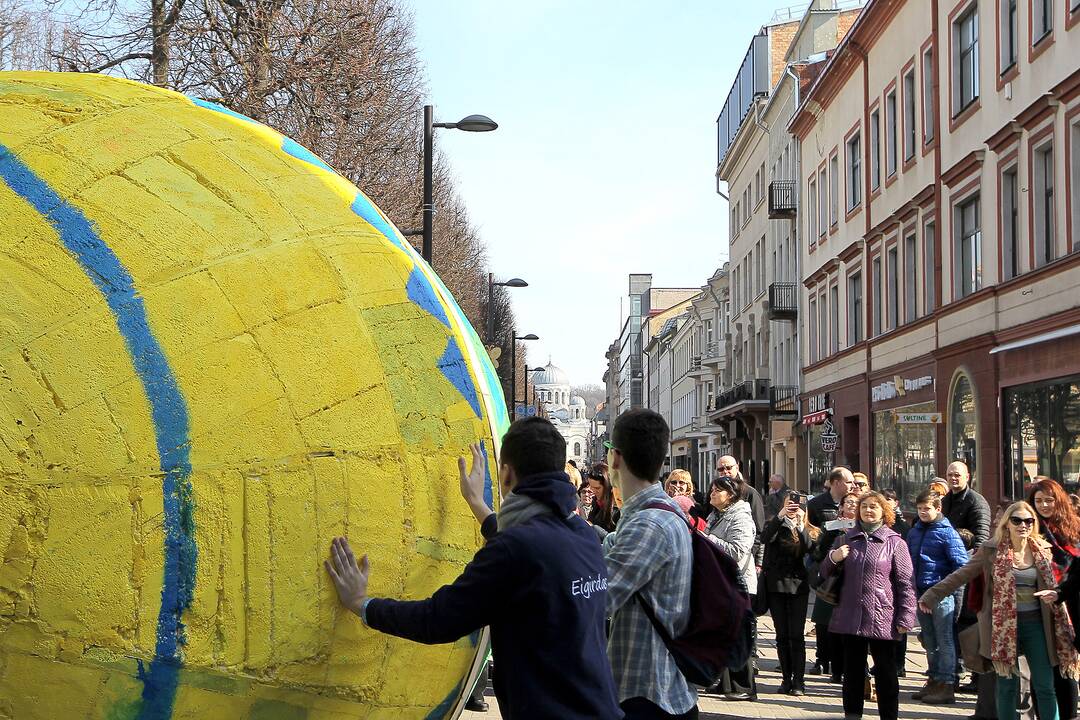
x: 783, y: 301
x: 701, y: 427
x: 715, y: 355
x: 697, y: 369
x: 750, y: 391
x: 784, y: 400
x: 781, y: 199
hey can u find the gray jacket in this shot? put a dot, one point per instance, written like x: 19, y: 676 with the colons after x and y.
x: 733, y: 531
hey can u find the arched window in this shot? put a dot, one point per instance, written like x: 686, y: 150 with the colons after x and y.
x: 577, y: 449
x: 963, y: 424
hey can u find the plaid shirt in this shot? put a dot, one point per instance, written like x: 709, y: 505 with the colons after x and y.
x: 649, y: 551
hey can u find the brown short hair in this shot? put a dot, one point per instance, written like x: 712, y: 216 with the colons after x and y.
x: 928, y: 497
x: 888, y: 516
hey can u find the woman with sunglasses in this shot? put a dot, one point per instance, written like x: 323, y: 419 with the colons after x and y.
x: 1017, y: 568
x: 1059, y: 525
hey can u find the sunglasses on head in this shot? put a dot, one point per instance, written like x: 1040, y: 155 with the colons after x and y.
x: 1018, y: 521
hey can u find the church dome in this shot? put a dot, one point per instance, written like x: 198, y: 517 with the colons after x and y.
x: 551, y: 375
x: 577, y: 401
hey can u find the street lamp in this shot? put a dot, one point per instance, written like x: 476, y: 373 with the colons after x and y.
x: 512, y: 283
x: 513, y: 370
x: 471, y: 123
x: 527, y: 373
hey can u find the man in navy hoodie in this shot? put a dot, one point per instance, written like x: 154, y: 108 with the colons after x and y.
x: 540, y: 582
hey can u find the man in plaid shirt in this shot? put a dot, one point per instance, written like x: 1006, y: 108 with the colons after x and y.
x: 648, y: 554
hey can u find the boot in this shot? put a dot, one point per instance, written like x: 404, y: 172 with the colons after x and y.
x: 940, y: 694
x: 921, y: 692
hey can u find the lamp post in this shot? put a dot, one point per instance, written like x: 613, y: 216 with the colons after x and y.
x: 470, y: 123
x: 513, y: 370
x: 513, y: 283
x: 527, y: 373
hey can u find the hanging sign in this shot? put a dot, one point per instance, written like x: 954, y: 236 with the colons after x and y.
x: 817, y: 409
x: 828, y: 436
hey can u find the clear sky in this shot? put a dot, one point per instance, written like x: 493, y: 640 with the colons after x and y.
x: 604, y: 160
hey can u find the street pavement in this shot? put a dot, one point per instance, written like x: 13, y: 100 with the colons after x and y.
x: 822, y: 699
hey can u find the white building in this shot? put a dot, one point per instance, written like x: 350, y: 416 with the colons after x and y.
x: 565, y: 411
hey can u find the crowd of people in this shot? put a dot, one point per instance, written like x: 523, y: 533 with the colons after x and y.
x: 603, y: 555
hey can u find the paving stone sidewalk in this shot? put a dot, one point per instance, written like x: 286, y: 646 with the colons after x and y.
x: 822, y: 701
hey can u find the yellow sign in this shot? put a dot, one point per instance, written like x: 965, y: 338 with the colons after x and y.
x: 215, y: 355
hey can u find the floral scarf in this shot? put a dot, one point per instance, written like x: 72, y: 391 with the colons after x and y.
x: 1003, y: 611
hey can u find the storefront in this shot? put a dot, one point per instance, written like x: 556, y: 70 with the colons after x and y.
x: 832, y: 422
x: 906, y: 420
x: 820, y: 433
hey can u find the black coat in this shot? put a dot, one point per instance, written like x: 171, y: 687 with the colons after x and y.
x: 785, y: 551
x: 968, y: 510
x: 1069, y: 593
x: 757, y: 509
x: 822, y: 508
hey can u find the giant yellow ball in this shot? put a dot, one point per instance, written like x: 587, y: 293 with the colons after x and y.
x: 215, y: 355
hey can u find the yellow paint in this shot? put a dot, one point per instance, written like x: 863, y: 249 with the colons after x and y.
x: 315, y: 405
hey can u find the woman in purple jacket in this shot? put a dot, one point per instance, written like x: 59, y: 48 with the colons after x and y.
x: 877, y: 603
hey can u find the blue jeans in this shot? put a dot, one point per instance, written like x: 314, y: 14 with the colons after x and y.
x: 937, y: 630
x: 1031, y: 643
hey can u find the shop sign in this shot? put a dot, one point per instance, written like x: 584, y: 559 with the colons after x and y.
x: 828, y: 436
x: 933, y: 418
x: 817, y: 409
x: 899, y: 387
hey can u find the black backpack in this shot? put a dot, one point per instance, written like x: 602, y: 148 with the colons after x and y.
x: 719, y: 632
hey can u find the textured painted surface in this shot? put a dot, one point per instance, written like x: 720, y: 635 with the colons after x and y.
x: 215, y: 355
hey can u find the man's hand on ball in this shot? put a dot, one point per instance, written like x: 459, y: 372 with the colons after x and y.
x: 472, y: 480
x: 350, y: 578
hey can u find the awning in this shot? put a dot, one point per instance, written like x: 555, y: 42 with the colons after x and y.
x: 816, y: 418
x: 1036, y: 339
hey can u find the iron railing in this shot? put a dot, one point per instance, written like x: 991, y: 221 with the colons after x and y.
x: 782, y: 196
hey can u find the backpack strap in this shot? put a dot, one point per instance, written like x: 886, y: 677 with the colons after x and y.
x: 657, y: 505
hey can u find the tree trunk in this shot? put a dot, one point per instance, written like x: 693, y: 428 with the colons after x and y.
x: 159, y: 55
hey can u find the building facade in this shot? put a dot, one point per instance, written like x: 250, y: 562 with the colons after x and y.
x: 940, y: 272
x: 757, y: 157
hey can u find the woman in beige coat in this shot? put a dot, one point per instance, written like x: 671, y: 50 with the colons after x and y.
x: 1015, y: 564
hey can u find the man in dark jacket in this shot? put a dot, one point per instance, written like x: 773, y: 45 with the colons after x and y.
x: 966, y: 509
x: 538, y: 581
x: 776, y: 497
x: 825, y: 506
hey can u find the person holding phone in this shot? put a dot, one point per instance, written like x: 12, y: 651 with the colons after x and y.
x: 788, y: 538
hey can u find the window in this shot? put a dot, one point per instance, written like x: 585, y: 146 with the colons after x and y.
x: 1043, y: 200
x: 929, y: 253
x: 1007, y: 19
x: 761, y: 265
x: 834, y: 305
x: 966, y: 60
x: 890, y: 133
x: 928, y: 95
x: 893, y: 288
x: 854, y: 309
x: 968, y: 254
x: 834, y: 189
x: 823, y: 203
x: 875, y: 295
x: 813, y: 331
x: 1042, y: 432
x: 854, y: 163
x: 909, y: 114
x: 875, y: 150
x: 577, y: 449
x: 1010, y: 248
x: 911, y: 279
x: 751, y: 275
x: 811, y: 220
x: 963, y: 425
x: 1042, y: 19
x: 823, y: 324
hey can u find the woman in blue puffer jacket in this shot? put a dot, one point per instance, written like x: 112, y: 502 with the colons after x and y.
x: 936, y: 551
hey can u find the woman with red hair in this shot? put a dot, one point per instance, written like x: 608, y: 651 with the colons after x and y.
x: 1060, y: 526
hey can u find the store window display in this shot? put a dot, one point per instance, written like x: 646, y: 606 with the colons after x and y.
x: 1042, y: 433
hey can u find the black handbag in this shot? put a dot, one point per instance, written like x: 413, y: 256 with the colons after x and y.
x: 828, y: 588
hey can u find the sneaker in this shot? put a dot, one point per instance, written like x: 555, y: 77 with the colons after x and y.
x: 797, y: 690
x: 476, y: 706
x: 739, y: 696
x: 785, y: 688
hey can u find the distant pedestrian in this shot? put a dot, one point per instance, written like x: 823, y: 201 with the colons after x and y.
x: 573, y: 474
x: 650, y: 562
x: 876, y: 606
x: 1015, y: 566
x: 585, y: 501
x: 776, y: 496
x: 788, y: 539
x: 861, y: 482
x: 936, y: 551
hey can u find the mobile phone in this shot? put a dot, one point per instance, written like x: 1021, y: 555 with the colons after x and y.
x: 802, y: 501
